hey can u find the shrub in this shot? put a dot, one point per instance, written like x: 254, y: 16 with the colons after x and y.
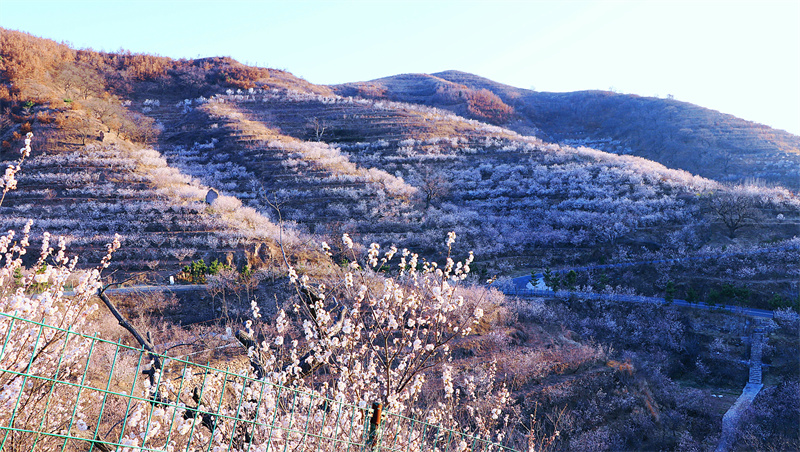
x: 38, y: 294
x: 197, y: 271
x: 669, y: 292
x: 729, y: 293
x: 383, y: 338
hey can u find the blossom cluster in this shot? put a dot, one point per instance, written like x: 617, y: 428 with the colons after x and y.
x: 383, y: 338
x: 380, y: 339
x: 9, y: 181
x: 38, y: 293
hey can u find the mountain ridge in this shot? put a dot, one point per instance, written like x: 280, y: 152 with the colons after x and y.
x: 677, y: 134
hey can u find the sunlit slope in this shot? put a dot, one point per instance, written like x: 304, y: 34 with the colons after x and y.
x: 391, y: 172
x: 87, y: 196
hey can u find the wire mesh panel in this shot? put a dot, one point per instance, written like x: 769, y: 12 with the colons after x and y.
x: 61, y: 390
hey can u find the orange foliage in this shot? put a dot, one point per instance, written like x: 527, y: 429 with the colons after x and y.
x: 60, y: 119
x: 625, y: 367
x: 139, y: 66
x: 242, y: 77
x: 132, y: 66
x: 651, y: 406
x: 481, y: 104
x: 26, y: 56
x: 5, y: 94
x: 44, y: 117
x: 90, y: 58
x: 371, y: 90
x: 487, y: 105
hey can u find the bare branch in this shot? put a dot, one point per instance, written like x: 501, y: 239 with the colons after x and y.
x: 147, y: 345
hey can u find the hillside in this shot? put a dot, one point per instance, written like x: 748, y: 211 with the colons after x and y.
x: 406, y: 175
x: 389, y: 172
x: 134, y: 144
x: 677, y: 134
x: 93, y: 172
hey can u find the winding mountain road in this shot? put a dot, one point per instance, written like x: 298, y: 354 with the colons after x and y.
x: 522, y: 287
x: 524, y: 292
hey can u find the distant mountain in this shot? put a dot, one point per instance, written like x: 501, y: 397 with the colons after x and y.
x: 677, y: 134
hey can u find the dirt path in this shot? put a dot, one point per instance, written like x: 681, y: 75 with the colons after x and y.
x: 148, y: 288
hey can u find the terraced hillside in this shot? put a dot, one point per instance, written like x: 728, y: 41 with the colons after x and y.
x: 403, y: 174
x: 676, y: 134
x: 139, y: 147
x: 325, y: 164
x: 93, y: 172
x: 87, y: 196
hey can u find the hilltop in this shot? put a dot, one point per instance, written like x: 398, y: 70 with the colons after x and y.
x: 677, y: 134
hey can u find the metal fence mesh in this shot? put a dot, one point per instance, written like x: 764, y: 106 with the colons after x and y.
x: 61, y: 390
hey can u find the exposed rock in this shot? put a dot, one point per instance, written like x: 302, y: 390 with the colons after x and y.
x: 211, y: 196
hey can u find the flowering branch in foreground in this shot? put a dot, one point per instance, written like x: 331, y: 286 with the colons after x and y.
x: 9, y: 181
x: 382, y: 338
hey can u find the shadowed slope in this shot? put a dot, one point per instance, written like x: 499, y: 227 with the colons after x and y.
x: 677, y: 134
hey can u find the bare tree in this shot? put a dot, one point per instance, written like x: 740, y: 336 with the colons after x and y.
x: 319, y: 126
x: 735, y: 210
x: 80, y: 80
x: 77, y: 123
x: 107, y: 111
x: 138, y: 127
x: 725, y: 162
x: 433, y: 185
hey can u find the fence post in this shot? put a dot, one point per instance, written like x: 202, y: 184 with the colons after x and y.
x: 374, y: 424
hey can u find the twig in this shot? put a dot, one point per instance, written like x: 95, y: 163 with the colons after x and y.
x: 307, y: 362
x: 208, y: 419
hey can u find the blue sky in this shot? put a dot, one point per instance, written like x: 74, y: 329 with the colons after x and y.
x: 738, y: 57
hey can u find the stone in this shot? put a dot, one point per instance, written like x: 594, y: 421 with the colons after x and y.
x: 211, y: 196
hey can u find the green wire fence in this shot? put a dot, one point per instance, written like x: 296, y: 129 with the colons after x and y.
x: 62, y: 390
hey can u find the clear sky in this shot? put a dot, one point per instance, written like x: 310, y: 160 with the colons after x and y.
x: 738, y: 57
